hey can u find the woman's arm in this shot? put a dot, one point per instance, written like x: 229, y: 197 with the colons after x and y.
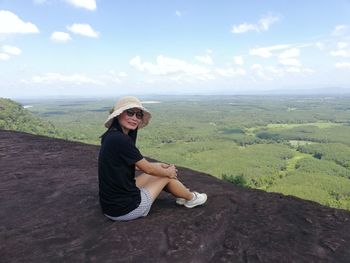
x: 157, y: 169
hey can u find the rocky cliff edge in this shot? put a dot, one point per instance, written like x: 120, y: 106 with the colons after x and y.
x: 50, y: 213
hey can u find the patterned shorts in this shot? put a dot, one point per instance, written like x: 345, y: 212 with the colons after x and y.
x: 141, y: 211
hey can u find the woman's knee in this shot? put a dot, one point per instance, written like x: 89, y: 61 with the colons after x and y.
x: 164, y: 180
x: 144, y: 179
x: 156, y: 185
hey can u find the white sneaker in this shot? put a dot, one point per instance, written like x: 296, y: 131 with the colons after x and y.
x: 180, y: 201
x: 198, y: 199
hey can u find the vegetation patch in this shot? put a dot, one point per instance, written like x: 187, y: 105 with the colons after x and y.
x: 14, y: 117
x: 336, y: 152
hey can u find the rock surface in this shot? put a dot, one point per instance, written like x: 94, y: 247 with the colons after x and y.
x: 50, y: 213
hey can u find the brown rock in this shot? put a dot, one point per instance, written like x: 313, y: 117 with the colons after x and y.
x: 49, y: 212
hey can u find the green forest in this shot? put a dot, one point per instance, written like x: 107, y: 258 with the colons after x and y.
x: 14, y: 117
x: 296, y: 145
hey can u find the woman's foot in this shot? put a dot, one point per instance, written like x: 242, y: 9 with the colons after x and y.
x: 180, y: 201
x: 198, y: 199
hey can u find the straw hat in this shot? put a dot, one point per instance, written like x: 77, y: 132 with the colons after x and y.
x: 125, y: 103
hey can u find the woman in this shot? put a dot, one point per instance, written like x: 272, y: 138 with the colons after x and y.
x: 122, y: 196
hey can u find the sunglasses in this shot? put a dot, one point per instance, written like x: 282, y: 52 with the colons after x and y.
x: 139, y: 114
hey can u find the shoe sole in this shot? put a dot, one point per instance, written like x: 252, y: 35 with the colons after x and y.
x: 180, y: 202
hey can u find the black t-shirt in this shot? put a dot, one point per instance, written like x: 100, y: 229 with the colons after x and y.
x: 116, y: 172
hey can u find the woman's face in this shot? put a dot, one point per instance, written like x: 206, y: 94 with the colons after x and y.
x: 130, y: 119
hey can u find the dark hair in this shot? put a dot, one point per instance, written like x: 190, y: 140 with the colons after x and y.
x: 115, y: 126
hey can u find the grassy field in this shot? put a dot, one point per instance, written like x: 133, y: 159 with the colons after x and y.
x: 277, y: 144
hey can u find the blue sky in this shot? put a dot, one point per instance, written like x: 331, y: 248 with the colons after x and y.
x: 104, y: 47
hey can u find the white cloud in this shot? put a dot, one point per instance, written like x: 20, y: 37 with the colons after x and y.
x: 178, y: 13
x: 297, y: 69
x: 8, y: 51
x: 256, y: 67
x: 286, y: 54
x: 262, y: 25
x: 231, y: 72
x: 320, y: 45
x: 4, y: 56
x: 342, y: 45
x: 266, y: 52
x: 342, y: 65
x: 113, y: 79
x: 293, y: 70
x: 53, y: 78
x: 242, y: 28
x: 261, y: 52
x: 290, y: 62
x: 165, y: 66
x: 308, y: 70
x: 259, y: 71
x: 83, y: 29
x: 115, y: 73
x: 205, y: 59
x: 87, y: 4
x: 290, y: 53
x: 136, y: 62
x: 342, y: 50
x: 274, y: 73
x: 238, y: 60
x: 340, y: 30
x: 115, y: 76
x: 341, y: 53
x: 265, y: 22
x: 289, y: 57
x: 61, y: 37
x: 10, y: 23
x: 11, y: 50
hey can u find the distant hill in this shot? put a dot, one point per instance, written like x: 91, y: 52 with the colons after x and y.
x: 14, y: 117
x: 328, y: 91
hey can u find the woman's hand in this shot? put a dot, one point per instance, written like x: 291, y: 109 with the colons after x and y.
x: 157, y: 169
x: 172, y: 171
x: 165, y: 165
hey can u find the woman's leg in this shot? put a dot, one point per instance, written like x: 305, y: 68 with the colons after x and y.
x: 155, y: 184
